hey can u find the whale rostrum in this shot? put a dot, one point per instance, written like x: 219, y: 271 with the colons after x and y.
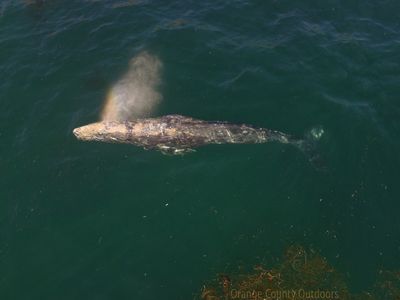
x: 175, y: 134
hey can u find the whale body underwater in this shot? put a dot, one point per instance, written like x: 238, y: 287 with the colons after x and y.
x: 176, y: 134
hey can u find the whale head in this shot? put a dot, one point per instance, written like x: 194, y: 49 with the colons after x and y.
x: 108, y: 131
x: 89, y: 132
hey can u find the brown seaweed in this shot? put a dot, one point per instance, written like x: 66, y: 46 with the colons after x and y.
x: 300, y: 274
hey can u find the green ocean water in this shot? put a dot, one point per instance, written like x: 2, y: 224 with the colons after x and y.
x: 99, y: 221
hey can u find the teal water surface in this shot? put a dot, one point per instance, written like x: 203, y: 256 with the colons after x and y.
x: 99, y: 221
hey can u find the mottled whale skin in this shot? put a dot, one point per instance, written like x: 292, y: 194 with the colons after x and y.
x: 175, y: 134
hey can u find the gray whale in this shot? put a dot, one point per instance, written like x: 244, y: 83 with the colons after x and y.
x: 175, y: 134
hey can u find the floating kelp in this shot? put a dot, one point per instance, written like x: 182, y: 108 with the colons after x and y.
x: 387, y: 285
x: 301, y: 274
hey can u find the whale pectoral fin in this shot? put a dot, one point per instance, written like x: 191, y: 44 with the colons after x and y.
x: 168, y: 150
x: 182, y: 151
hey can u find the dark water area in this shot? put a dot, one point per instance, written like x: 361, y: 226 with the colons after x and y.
x: 100, y: 221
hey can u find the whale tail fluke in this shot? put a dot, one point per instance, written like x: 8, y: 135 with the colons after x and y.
x: 309, y: 146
